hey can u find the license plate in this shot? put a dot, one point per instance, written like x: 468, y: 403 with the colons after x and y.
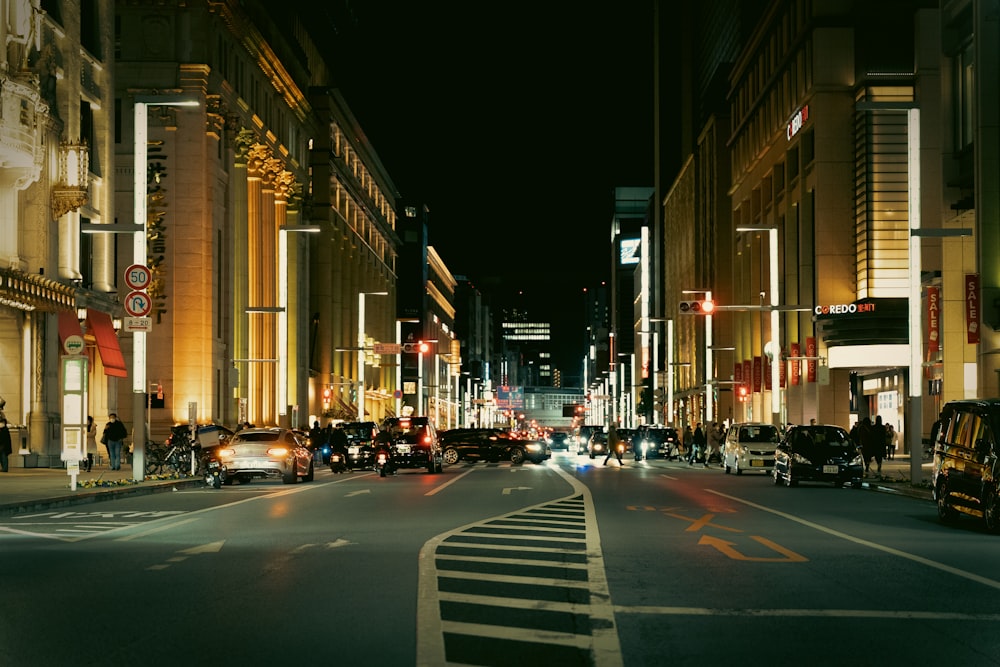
x: 403, y: 449
x: 831, y: 470
x: 353, y: 450
x: 756, y: 463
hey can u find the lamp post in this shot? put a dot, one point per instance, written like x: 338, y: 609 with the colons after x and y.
x: 775, y: 345
x: 361, y: 351
x: 282, y: 365
x: 138, y: 229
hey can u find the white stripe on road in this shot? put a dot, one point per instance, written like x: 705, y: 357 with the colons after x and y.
x: 812, y: 613
x: 992, y: 583
x: 448, y: 483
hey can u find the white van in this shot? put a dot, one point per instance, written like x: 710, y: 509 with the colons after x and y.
x: 750, y: 446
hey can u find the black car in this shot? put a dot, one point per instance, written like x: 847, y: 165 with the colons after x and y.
x: 818, y: 453
x: 488, y: 444
x: 663, y: 442
x: 558, y: 440
x: 414, y: 443
x: 360, y: 443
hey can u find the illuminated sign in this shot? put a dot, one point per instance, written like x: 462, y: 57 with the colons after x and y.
x: 799, y: 119
x: 844, y: 309
x: 629, y: 253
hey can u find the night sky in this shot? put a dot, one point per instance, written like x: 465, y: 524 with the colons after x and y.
x: 513, y: 122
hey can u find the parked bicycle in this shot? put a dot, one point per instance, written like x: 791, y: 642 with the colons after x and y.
x: 174, y: 456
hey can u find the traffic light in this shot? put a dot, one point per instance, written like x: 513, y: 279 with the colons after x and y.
x: 696, y: 307
x: 742, y: 393
x: 420, y: 346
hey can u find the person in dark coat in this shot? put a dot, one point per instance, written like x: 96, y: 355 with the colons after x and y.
x: 115, y: 434
x: 873, y: 442
x: 6, y: 449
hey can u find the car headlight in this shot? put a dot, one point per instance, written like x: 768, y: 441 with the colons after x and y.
x: 533, y: 447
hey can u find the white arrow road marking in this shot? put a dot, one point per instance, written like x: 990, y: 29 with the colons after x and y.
x: 210, y: 548
x: 339, y: 543
x: 508, y: 489
x: 356, y: 493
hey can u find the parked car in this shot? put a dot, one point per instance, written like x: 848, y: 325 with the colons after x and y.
x: 266, y: 452
x: 415, y: 443
x: 966, y: 468
x: 360, y: 443
x: 663, y: 442
x: 750, y: 447
x: 819, y: 453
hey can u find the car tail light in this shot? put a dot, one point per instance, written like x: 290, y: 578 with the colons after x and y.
x: 277, y: 451
x: 382, y: 458
x: 226, y: 452
x: 427, y: 439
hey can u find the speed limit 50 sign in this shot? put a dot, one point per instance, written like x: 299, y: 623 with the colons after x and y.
x: 137, y: 277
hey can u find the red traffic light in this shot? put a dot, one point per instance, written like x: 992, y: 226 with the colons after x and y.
x: 707, y: 306
x: 423, y: 347
x: 699, y: 307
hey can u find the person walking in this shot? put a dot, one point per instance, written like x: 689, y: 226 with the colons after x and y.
x: 614, y: 446
x: 890, y: 442
x: 114, y: 437
x: 714, y: 442
x: 91, y: 444
x: 688, y: 441
x: 6, y: 449
x: 698, y: 446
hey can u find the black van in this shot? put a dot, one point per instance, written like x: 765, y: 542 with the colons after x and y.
x: 966, y: 465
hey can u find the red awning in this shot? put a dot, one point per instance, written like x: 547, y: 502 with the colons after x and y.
x: 107, y: 343
x: 68, y: 326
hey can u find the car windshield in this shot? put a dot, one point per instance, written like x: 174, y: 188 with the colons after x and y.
x: 814, y: 438
x: 260, y: 436
x: 764, y: 433
x: 358, y: 432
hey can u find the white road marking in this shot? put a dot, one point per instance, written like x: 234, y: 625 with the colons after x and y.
x: 992, y: 583
x: 448, y: 483
x: 812, y: 613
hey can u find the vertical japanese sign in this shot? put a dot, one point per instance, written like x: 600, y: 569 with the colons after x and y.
x: 782, y: 371
x: 758, y: 367
x: 796, y: 351
x: 811, y: 361
x: 933, y: 319
x: 747, y: 374
x: 972, y: 312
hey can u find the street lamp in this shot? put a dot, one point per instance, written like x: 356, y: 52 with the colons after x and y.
x: 138, y: 229
x: 772, y: 232
x: 709, y: 408
x: 282, y: 370
x: 361, y: 351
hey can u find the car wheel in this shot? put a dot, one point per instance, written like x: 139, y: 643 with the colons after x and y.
x: 517, y: 455
x: 309, y: 475
x: 451, y: 456
x: 991, y: 511
x: 946, y: 512
x: 291, y: 476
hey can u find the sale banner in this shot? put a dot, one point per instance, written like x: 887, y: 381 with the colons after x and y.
x: 972, y: 311
x: 796, y: 351
x: 933, y: 319
x: 811, y: 351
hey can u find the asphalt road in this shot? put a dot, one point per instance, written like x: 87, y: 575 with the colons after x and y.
x: 566, y: 563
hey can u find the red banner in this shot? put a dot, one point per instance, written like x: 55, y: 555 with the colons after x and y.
x: 811, y: 351
x: 782, y: 371
x: 766, y: 371
x: 972, y: 312
x: 796, y: 351
x: 757, y: 372
x: 747, y: 374
x: 933, y: 319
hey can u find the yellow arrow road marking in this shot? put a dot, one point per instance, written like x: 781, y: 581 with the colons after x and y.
x: 727, y: 549
x: 702, y: 522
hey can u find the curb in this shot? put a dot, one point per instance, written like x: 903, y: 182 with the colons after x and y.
x: 91, y: 496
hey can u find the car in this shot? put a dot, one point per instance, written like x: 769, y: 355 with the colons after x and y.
x: 360, y: 443
x: 415, y: 443
x: 598, y: 445
x: 749, y: 447
x: 818, y: 453
x: 489, y: 445
x: 663, y: 442
x: 266, y: 453
x: 965, y: 469
x: 535, y: 451
x: 583, y: 437
x: 558, y: 440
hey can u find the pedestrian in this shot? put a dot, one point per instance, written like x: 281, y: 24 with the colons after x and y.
x: 890, y: 442
x: 698, y: 442
x: 872, y: 442
x: 91, y: 443
x: 714, y: 440
x: 5, y: 445
x: 114, y: 437
x: 614, y: 446
x: 688, y: 441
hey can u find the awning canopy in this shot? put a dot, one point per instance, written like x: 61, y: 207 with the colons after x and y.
x: 68, y: 326
x: 107, y: 343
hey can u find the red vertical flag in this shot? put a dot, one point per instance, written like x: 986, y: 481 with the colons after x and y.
x: 747, y: 374
x: 757, y: 372
x: 811, y: 361
x: 933, y: 319
x: 796, y: 351
x: 972, y: 310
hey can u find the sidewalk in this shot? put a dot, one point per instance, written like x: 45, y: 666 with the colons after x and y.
x: 35, y: 489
